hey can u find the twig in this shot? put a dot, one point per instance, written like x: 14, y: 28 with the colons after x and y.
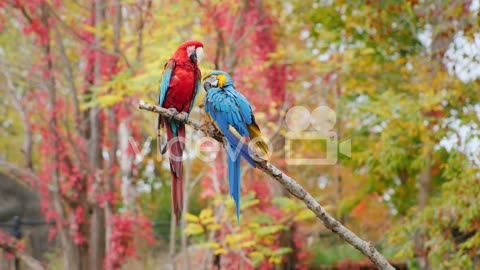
x: 367, y: 248
x: 69, y: 75
x: 29, y: 261
x: 22, y: 173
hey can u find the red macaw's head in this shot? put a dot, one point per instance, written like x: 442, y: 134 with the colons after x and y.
x: 192, y: 49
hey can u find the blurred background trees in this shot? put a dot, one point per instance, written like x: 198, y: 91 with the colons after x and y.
x: 402, y: 78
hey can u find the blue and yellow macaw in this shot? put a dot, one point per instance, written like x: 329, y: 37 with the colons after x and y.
x: 232, y: 115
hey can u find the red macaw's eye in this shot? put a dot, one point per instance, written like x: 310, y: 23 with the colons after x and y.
x: 195, y: 53
x: 190, y: 50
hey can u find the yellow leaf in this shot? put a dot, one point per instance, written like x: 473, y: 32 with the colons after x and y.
x: 235, y: 238
x: 207, y: 221
x: 253, y: 225
x: 212, y: 227
x: 220, y: 251
x: 109, y: 100
x: 400, y: 254
x: 249, y: 204
x: 304, y: 214
x: 247, y: 244
x: 191, y: 218
x: 268, y: 240
x: 206, y: 213
x: 275, y: 260
x: 256, y: 256
x: 194, y: 229
x: 89, y: 28
x: 211, y: 245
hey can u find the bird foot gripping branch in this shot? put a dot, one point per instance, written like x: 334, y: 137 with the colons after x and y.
x: 174, y: 113
x: 185, y: 115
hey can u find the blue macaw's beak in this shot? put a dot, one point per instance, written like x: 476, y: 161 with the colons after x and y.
x: 210, y: 82
x: 207, y: 86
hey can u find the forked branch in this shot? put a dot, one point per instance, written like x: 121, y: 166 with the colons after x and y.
x: 367, y: 248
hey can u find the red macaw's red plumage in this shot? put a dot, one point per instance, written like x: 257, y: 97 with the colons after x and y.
x: 178, y: 89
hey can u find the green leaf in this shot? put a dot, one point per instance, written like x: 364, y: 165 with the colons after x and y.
x: 268, y: 230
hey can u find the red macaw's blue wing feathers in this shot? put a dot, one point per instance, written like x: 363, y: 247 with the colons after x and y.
x: 164, y: 82
x: 232, y: 113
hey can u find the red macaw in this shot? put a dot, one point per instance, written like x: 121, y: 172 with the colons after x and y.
x: 179, y: 87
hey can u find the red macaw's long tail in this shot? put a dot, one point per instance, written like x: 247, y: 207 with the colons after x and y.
x: 175, y: 146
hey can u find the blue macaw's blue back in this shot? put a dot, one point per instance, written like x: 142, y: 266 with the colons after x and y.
x: 228, y: 108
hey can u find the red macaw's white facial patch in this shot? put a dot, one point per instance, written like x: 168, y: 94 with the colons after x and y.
x: 190, y: 50
x: 198, y: 51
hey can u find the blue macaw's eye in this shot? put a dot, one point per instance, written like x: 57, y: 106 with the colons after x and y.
x: 207, y: 84
x: 210, y: 82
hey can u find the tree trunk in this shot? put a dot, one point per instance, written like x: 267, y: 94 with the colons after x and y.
x: 112, y: 133
x: 97, y: 237
x: 425, y: 180
x: 173, y: 241
x: 186, y: 182
x: 423, y: 194
x: 73, y: 259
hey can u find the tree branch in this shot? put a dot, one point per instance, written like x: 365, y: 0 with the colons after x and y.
x: 70, y: 77
x: 367, y: 248
x: 21, y: 173
x: 9, y: 244
x: 23, y: 113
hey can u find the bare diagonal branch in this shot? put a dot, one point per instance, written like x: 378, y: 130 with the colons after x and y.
x: 367, y: 248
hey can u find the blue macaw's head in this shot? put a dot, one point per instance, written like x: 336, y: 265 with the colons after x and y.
x: 216, y: 79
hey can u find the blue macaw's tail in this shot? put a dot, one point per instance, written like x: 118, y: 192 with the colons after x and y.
x: 235, y: 150
x: 237, y: 147
x: 234, y: 181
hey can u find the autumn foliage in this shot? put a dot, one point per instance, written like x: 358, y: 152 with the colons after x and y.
x: 401, y: 78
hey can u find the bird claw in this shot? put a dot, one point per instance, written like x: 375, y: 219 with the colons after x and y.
x: 217, y: 133
x: 185, y: 116
x: 225, y: 142
x: 174, y: 113
x: 211, y: 130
